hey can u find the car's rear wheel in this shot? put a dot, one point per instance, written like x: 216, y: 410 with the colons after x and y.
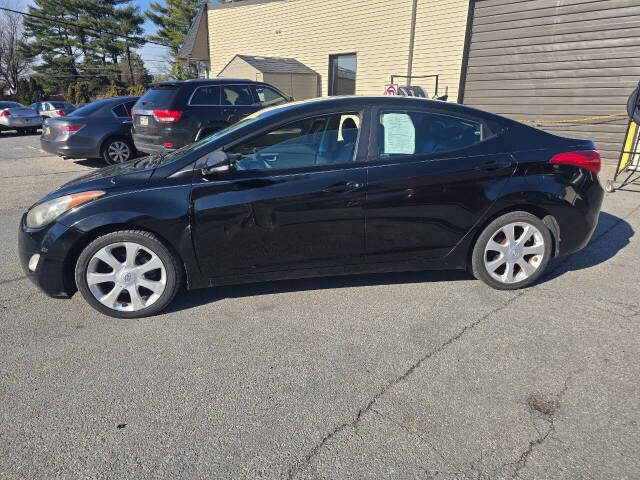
x: 117, y: 150
x: 128, y: 274
x: 512, y: 251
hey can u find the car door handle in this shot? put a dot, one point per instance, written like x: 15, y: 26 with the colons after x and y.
x: 343, y: 187
x: 493, y: 165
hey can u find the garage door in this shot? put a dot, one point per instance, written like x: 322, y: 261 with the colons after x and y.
x: 556, y: 60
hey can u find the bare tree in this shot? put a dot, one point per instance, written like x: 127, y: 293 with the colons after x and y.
x: 12, y: 65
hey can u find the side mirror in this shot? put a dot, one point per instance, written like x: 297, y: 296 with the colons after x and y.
x: 216, y: 162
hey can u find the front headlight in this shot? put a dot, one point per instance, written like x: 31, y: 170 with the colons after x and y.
x: 48, y: 211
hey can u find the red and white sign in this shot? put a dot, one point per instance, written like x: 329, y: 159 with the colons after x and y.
x: 391, y: 89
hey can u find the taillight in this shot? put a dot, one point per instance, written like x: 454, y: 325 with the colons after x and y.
x: 589, y: 159
x: 167, y: 116
x: 5, y: 113
x: 168, y: 144
x: 132, y: 113
x: 60, y: 113
x: 71, y: 129
x: 37, y: 112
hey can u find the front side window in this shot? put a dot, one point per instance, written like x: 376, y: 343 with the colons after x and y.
x: 237, y: 95
x: 268, y: 97
x: 206, y: 96
x: 422, y: 133
x: 321, y: 140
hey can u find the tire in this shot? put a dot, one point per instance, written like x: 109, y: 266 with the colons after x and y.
x: 120, y: 286
x: 510, y: 264
x: 118, y: 150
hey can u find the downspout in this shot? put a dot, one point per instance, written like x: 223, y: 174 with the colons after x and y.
x: 465, y: 52
x: 412, y: 36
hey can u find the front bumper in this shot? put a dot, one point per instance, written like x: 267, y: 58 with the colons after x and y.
x: 52, y: 273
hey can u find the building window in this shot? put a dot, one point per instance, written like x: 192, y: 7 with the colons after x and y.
x: 342, y: 74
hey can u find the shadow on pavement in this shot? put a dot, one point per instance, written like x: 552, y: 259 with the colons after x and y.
x: 209, y: 295
x: 13, y: 133
x: 598, y: 251
x: 91, y: 162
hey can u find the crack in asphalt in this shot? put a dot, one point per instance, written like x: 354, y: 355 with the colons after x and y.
x: 524, y: 457
x: 11, y: 280
x: 299, y: 466
x: 410, y: 432
x: 46, y: 174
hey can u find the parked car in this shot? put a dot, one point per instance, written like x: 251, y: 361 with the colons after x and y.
x: 99, y: 129
x: 52, y: 108
x: 321, y: 187
x: 173, y: 114
x: 15, y: 116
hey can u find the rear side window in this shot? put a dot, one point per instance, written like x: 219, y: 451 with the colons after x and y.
x: 158, y: 96
x: 421, y: 133
x: 120, y: 111
x: 61, y: 105
x: 206, y: 96
x: 237, y: 95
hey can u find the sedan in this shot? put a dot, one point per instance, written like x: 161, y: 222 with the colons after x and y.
x: 53, y: 109
x: 321, y: 187
x: 100, y: 129
x: 15, y: 116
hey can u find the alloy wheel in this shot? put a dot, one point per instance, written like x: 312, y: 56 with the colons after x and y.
x: 118, y: 151
x: 514, y: 252
x: 126, y: 276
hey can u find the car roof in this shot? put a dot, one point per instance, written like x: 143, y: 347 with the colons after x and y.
x: 357, y: 102
x: 208, y: 81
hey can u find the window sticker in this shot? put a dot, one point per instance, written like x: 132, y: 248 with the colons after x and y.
x: 399, y: 134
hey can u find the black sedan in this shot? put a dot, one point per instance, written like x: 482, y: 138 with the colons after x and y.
x: 100, y: 129
x: 321, y: 187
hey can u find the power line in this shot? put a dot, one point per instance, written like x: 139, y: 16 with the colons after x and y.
x: 94, y: 30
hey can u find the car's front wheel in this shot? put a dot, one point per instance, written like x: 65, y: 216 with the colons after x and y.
x: 512, y: 251
x: 118, y: 150
x: 128, y: 274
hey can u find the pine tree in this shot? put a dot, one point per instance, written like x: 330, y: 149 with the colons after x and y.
x: 82, y: 93
x: 71, y: 93
x: 174, y: 20
x: 86, y: 40
x: 29, y: 91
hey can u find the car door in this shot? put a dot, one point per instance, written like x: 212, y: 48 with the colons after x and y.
x: 122, y: 113
x: 292, y: 200
x: 205, y: 108
x: 432, y: 176
x: 237, y: 101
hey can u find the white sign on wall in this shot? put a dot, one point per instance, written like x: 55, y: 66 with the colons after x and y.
x: 391, y: 89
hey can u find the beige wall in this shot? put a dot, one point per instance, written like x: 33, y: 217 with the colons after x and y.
x: 377, y: 30
x: 238, y: 68
x: 298, y: 86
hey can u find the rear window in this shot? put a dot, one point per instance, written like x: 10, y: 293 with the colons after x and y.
x: 88, y: 109
x: 61, y: 105
x: 10, y: 105
x: 160, y: 96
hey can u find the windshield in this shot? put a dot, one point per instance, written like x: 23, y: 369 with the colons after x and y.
x: 220, y: 133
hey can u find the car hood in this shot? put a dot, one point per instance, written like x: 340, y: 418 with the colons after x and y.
x: 107, y: 178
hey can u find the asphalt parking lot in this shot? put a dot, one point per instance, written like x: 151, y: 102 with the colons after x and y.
x: 420, y: 375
